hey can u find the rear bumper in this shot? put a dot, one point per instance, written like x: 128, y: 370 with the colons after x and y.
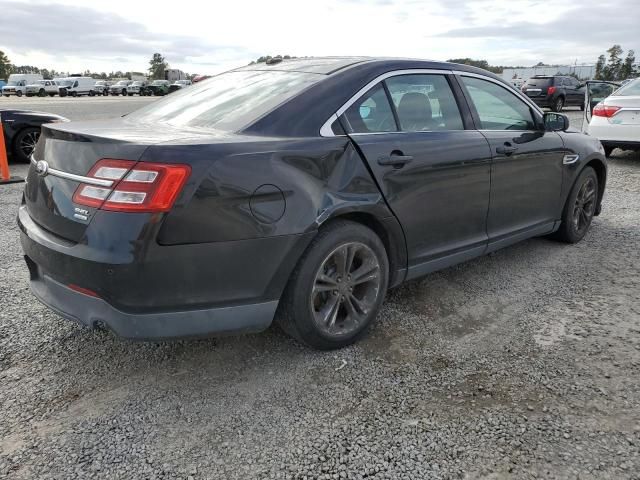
x: 546, y: 101
x: 614, y: 134
x: 154, y: 291
x: 94, y: 312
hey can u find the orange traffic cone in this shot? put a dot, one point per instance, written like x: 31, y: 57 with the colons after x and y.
x: 4, y: 162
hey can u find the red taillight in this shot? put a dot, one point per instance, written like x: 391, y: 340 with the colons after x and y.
x: 135, y: 187
x: 551, y: 90
x: 602, y: 110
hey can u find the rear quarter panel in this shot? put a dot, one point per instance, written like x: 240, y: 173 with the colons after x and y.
x: 255, y: 189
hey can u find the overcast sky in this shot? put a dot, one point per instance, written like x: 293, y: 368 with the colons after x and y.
x: 212, y: 36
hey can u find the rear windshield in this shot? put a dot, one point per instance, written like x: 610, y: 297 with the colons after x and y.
x: 539, y: 82
x: 631, y: 88
x: 228, y: 101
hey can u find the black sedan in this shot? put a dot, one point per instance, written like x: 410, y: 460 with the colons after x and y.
x: 21, y: 130
x: 298, y: 191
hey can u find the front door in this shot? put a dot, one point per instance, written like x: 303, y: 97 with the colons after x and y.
x: 434, y: 174
x: 526, y: 172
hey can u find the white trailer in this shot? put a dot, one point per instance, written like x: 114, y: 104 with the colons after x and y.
x: 173, y: 74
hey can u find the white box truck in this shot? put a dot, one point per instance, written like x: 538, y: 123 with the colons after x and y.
x: 17, y: 83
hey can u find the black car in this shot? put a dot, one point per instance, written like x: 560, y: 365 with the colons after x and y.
x: 22, y: 129
x: 555, y: 92
x: 300, y: 190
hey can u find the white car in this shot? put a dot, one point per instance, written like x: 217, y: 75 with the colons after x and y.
x: 42, y: 88
x: 615, y: 120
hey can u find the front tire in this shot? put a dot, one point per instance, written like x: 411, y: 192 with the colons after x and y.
x: 25, y: 143
x: 19, y: 93
x: 580, y: 208
x: 336, y: 290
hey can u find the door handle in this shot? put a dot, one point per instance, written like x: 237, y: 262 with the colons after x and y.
x: 506, y: 150
x: 396, y: 161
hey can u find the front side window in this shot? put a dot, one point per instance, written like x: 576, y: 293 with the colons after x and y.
x: 497, y: 107
x: 371, y: 113
x: 424, y: 103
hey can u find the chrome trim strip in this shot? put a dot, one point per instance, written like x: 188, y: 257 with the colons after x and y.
x: 325, y: 130
x: 76, y: 178
x: 570, y: 159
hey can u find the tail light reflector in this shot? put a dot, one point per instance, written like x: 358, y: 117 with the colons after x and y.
x: 602, y: 110
x: 136, y: 186
x: 551, y: 90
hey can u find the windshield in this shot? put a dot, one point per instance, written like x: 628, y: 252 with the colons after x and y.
x: 136, y: 84
x: 100, y: 83
x: 122, y: 82
x: 538, y: 82
x: 631, y: 88
x: 228, y: 101
x: 159, y: 82
x: 65, y: 83
x: 13, y: 82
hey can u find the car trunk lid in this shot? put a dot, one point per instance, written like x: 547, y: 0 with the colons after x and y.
x: 70, y: 151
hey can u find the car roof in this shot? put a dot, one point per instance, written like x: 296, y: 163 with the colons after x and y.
x: 321, y: 65
x: 332, y: 65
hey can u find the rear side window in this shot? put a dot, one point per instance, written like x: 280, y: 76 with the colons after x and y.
x: 371, y: 113
x: 497, y: 107
x: 228, y: 101
x: 424, y: 103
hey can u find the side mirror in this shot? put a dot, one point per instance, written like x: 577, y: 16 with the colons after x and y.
x: 555, y: 122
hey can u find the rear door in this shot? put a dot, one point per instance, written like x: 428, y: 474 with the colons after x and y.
x: 434, y: 173
x: 575, y: 95
x: 526, y: 172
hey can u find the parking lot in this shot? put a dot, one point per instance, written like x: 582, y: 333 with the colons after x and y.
x: 521, y: 364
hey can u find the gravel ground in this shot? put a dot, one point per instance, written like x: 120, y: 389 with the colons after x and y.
x: 521, y: 364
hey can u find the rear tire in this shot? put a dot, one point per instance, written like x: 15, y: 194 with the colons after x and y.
x: 326, y: 305
x: 558, y: 104
x: 580, y: 208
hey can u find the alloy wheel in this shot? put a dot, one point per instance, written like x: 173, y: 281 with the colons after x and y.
x: 28, y: 143
x: 345, y: 289
x: 585, y: 205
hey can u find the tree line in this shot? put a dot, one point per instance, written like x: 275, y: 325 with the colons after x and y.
x: 157, y: 66
x: 615, y: 67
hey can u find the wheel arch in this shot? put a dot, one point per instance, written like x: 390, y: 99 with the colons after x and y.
x: 601, y: 172
x: 389, y: 231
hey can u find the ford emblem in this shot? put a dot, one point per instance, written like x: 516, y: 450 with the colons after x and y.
x: 42, y: 168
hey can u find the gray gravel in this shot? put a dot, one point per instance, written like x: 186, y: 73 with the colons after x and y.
x: 521, y: 364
